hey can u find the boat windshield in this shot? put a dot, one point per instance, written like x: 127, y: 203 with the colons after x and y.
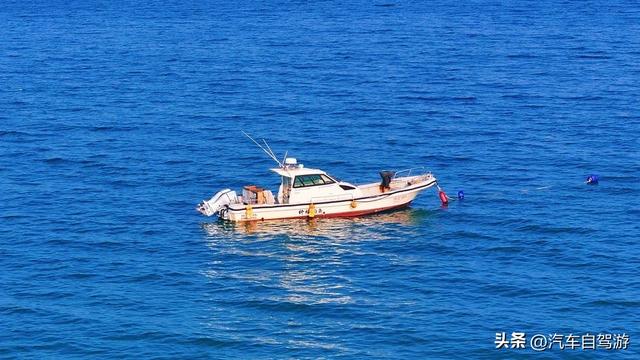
x: 312, y: 180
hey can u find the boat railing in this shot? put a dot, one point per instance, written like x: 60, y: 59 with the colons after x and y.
x: 418, y: 170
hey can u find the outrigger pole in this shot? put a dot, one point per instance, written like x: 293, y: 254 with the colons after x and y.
x: 266, y: 150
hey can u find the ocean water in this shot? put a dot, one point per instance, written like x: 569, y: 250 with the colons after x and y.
x: 116, y: 118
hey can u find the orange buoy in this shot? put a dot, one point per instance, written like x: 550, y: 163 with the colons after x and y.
x: 444, y: 199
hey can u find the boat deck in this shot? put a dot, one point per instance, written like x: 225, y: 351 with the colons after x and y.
x: 396, y: 184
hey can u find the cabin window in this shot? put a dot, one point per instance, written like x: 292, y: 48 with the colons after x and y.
x: 327, y: 180
x: 309, y: 180
x: 312, y: 180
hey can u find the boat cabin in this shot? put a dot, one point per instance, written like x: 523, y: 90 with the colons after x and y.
x: 304, y: 185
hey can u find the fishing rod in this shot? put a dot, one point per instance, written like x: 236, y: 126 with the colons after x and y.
x: 266, y: 150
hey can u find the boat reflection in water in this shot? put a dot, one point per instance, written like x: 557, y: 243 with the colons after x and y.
x: 305, y: 262
x: 336, y: 229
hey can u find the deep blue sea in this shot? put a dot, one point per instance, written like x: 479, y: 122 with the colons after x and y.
x: 118, y: 117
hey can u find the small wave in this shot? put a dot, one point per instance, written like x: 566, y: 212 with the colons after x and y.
x: 472, y: 235
x: 464, y: 98
x: 146, y: 278
x: 14, y: 216
x: 107, y: 244
x: 506, y: 249
x: 506, y: 290
x: 616, y: 303
x: 56, y: 161
x: 106, y: 128
x: 437, y: 98
x: 520, y: 96
x: 148, y: 335
x: 17, y: 310
x: 59, y: 242
x: 522, y: 56
x: 593, y: 57
x: 287, y: 306
x: 581, y: 98
x: 80, y: 276
x: 555, y: 229
x: 422, y: 98
x: 13, y: 133
x: 211, y: 342
x: 123, y: 183
x: 533, y: 106
x: 296, y: 112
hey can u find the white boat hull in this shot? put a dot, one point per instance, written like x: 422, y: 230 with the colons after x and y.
x: 337, y: 207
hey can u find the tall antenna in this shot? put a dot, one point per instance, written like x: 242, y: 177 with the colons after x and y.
x: 269, y: 152
x: 269, y: 148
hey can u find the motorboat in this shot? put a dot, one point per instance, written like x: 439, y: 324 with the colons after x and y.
x: 310, y: 193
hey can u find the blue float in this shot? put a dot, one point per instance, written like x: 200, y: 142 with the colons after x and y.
x: 593, y: 179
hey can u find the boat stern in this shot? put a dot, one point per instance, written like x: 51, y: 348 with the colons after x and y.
x: 217, y: 203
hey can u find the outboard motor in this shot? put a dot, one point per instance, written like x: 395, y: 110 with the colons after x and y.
x: 386, y: 176
x: 217, y: 202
